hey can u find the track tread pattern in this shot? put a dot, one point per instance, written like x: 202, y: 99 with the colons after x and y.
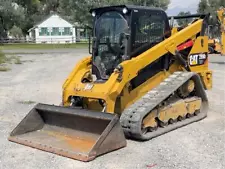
x: 131, y: 118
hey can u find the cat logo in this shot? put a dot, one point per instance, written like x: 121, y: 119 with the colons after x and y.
x: 194, y: 59
x: 197, y: 59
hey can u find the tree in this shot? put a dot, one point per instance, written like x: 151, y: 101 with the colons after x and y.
x: 10, y: 14
x: 33, y: 13
x: 211, y: 6
x: 152, y: 3
x: 183, y: 22
x: 16, y: 32
x: 73, y: 10
x: 37, y: 10
x: 79, y: 9
x: 203, y: 6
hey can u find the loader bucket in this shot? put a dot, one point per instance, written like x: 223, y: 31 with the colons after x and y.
x: 71, y: 132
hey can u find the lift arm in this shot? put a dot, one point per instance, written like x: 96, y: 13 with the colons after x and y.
x: 167, y: 46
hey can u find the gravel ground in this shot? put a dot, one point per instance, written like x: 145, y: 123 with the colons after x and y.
x: 197, y: 146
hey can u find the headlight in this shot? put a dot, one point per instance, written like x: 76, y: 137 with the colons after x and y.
x: 125, y: 10
x: 217, y: 40
x: 114, y: 57
x: 93, y: 14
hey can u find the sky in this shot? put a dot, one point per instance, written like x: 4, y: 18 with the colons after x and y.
x: 182, y: 5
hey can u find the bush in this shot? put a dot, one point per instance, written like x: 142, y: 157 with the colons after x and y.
x: 16, y: 32
x: 4, y: 69
x: 2, y: 57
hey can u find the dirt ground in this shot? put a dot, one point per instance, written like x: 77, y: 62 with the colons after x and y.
x: 200, y: 145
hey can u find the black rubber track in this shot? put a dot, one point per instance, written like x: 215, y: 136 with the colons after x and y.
x: 132, y: 117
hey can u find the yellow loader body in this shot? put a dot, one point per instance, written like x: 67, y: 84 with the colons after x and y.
x: 157, y: 88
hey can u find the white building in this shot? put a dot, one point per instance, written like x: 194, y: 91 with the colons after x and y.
x: 54, y: 29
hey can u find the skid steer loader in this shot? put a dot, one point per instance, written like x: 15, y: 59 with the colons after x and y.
x: 143, y: 79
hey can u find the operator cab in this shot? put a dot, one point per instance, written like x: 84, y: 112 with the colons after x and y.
x: 123, y: 32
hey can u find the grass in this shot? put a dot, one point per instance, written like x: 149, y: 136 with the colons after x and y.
x: 25, y: 53
x: 2, y: 57
x: 17, y: 60
x: 28, y: 61
x: 13, y: 59
x: 27, y: 102
x: 6, y: 60
x: 4, y: 68
x: 43, y: 46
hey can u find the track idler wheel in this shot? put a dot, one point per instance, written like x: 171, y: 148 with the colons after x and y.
x: 185, y: 90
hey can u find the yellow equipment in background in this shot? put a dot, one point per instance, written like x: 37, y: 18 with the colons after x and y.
x: 214, y: 46
x: 218, y: 45
x: 142, y: 81
x: 221, y: 18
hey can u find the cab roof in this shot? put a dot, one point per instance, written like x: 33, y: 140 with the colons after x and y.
x: 129, y: 7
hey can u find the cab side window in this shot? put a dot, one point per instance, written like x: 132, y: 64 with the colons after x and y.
x: 150, y: 30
